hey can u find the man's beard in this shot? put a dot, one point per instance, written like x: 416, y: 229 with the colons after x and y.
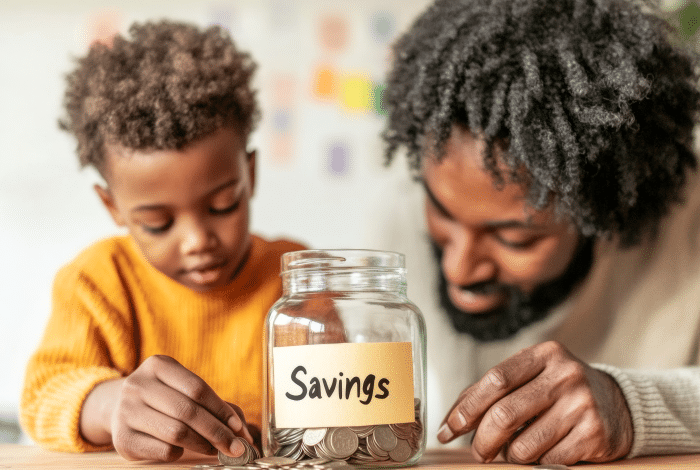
x: 520, y: 309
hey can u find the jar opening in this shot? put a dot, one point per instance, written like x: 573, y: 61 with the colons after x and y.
x: 341, y: 259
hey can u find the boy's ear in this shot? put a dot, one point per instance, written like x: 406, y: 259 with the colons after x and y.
x: 251, y: 169
x: 108, y: 201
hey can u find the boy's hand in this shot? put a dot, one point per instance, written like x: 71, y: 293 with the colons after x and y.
x: 162, y: 408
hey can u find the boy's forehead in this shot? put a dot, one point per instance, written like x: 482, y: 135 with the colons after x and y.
x: 221, y: 153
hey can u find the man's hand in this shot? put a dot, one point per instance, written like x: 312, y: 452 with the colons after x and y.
x: 571, y: 412
x: 160, y: 410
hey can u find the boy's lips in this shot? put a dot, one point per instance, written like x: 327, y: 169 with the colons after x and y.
x: 206, y: 273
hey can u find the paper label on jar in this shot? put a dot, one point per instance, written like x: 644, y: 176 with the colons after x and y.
x: 345, y: 384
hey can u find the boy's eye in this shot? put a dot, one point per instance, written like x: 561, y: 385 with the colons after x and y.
x: 226, y: 209
x: 157, y: 229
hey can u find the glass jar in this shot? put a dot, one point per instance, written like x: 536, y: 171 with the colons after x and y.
x: 345, y: 366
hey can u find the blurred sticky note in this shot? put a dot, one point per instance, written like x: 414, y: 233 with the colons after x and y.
x: 356, y: 93
x: 324, y: 82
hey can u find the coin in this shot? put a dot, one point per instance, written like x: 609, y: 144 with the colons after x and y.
x: 313, y: 436
x: 385, y: 438
x: 275, y: 461
x: 249, y: 454
x: 401, y: 452
x: 341, y: 442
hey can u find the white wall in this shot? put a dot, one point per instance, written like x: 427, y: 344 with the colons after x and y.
x: 48, y: 211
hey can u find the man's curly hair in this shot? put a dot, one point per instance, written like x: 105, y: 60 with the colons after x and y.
x: 167, y: 85
x: 591, y: 97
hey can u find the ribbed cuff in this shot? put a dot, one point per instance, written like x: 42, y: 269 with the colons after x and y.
x: 665, y: 408
x: 58, y: 421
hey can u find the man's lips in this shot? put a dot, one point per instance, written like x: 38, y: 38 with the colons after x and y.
x: 475, y: 302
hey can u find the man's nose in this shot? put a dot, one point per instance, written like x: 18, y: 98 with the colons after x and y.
x: 464, y: 260
x: 196, y: 236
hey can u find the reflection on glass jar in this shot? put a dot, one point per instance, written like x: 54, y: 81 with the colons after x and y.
x: 345, y: 361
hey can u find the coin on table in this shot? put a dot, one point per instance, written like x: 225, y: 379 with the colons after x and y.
x: 277, y: 461
x: 551, y: 466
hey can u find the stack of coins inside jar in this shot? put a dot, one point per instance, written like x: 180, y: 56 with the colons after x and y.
x: 358, y: 445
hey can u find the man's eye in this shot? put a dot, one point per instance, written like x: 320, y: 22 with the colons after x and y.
x: 157, y: 229
x: 225, y: 210
x: 516, y: 244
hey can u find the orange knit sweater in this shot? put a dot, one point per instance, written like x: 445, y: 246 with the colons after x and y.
x: 112, y: 310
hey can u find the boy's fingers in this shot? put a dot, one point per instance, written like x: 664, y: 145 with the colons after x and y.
x: 133, y: 445
x: 239, y: 417
x: 187, y: 398
x: 182, y: 409
x: 171, y: 431
x: 178, y: 377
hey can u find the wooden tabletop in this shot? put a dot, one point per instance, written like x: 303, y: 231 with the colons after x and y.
x: 33, y: 457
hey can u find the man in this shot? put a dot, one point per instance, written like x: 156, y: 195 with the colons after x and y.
x: 553, y: 144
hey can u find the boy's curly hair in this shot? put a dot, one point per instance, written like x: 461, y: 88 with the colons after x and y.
x: 589, y: 96
x: 168, y: 85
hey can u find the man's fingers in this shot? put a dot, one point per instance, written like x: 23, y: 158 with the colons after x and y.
x: 568, y: 451
x: 497, y: 383
x: 507, y: 416
x: 540, y: 436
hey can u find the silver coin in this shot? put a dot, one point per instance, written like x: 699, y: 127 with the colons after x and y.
x: 401, y: 452
x: 341, y: 442
x: 317, y: 461
x: 313, y: 436
x: 240, y: 460
x: 275, y: 461
x: 551, y: 466
x: 375, y: 451
x: 385, y: 438
x: 249, y: 454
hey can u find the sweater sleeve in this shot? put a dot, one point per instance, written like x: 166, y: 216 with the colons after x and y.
x: 76, y: 353
x: 665, y: 408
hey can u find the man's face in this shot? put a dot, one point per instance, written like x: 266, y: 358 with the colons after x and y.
x: 496, y: 253
x: 188, y: 209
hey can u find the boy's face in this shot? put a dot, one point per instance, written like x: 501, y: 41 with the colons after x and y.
x: 188, y: 209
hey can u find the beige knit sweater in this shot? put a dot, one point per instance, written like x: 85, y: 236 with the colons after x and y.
x: 637, y: 317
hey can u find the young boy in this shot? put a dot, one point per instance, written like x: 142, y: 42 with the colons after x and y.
x: 154, y: 336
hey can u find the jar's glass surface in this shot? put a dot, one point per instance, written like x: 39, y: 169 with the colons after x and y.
x: 349, y: 310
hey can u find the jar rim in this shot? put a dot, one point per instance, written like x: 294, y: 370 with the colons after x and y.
x: 341, y: 259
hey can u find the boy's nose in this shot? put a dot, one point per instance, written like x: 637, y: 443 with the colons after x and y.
x: 197, y: 237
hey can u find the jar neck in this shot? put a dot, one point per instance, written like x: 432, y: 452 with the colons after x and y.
x: 340, y: 280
